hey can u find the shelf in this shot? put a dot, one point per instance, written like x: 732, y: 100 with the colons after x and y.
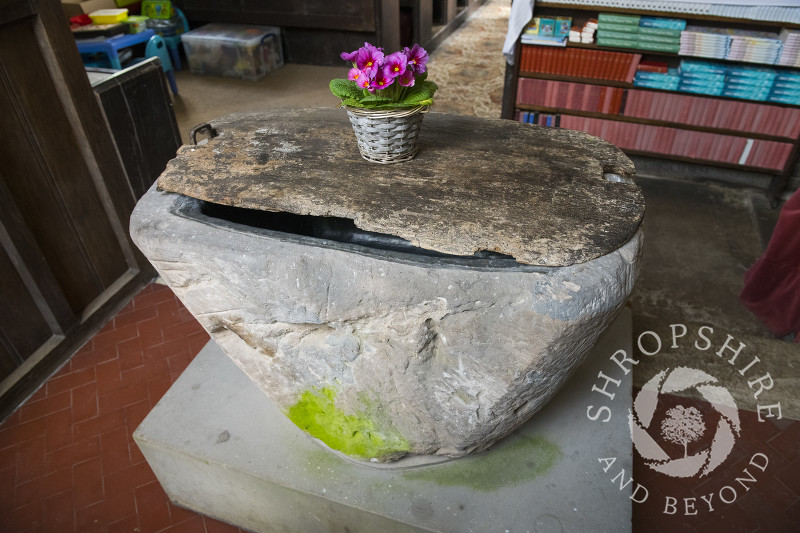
x: 652, y: 122
x: 574, y: 79
x: 682, y: 126
x: 669, y: 14
x: 594, y: 46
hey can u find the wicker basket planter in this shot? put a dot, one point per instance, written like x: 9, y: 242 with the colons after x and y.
x: 387, y: 136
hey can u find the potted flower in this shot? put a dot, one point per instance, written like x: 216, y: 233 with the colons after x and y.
x: 385, y: 97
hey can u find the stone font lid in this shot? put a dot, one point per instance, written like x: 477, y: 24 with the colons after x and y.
x: 537, y: 194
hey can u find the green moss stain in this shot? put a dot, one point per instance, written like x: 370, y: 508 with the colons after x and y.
x: 358, y: 435
x: 510, y: 464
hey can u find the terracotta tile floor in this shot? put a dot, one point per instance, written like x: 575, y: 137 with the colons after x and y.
x: 67, y: 458
x: 68, y: 461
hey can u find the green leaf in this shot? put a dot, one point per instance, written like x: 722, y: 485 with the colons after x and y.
x: 344, y: 89
x: 420, y: 94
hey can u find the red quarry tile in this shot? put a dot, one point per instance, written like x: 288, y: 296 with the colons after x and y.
x: 100, y: 424
x: 21, y: 432
x: 787, y: 442
x: 762, y: 510
x: 8, y: 455
x: 30, y: 461
x: 135, y: 414
x: 122, y: 397
x: 34, y: 409
x: 158, y: 388
x: 128, y: 479
x: 26, y: 518
x: 126, y: 525
x: 88, y: 481
x: 134, y: 316
x: 793, y: 515
x: 153, y: 295
x: 90, y: 358
x: 84, y: 402
x: 78, y: 452
x: 146, y: 373
x: 197, y: 341
x: 136, y: 454
x: 169, y: 314
x: 191, y: 525
x: 150, y: 333
x: 130, y: 354
x: 790, y: 475
x: 59, y: 431
x: 111, y: 509
x: 8, y: 475
x: 59, y: 512
x: 70, y: 380
x: 42, y: 487
x: 111, y: 337
x: 109, y: 376
x: 114, y: 451
x: 183, y: 329
x: 151, y: 502
x: 178, y: 363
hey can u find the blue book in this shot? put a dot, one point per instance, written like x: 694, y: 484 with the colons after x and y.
x: 661, y: 22
x: 708, y: 67
x: 699, y: 89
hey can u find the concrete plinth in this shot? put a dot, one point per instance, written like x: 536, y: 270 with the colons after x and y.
x: 220, y: 447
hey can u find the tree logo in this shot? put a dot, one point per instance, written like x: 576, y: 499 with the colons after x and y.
x: 683, y: 426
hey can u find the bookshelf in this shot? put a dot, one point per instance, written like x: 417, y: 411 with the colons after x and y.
x: 590, y: 88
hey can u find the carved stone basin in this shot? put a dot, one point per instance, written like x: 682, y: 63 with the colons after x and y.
x: 429, y: 308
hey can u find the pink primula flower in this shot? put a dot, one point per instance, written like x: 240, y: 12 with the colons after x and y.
x: 369, y: 59
x: 417, y: 58
x: 395, y: 65
x: 380, y: 81
x: 362, y: 82
x: 406, y: 79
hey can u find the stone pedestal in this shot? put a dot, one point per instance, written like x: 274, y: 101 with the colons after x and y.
x: 219, y: 446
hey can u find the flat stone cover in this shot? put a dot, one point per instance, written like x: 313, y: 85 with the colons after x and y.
x: 537, y: 194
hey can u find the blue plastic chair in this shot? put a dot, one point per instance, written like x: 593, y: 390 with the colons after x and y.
x: 156, y: 47
x: 174, y: 41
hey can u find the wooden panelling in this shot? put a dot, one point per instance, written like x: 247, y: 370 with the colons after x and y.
x: 139, y: 111
x: 66, y: 260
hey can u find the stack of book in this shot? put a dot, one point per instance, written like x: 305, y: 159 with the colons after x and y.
x: 702, y: 77
x: 580, y: 63
x: 569, y: 95
x: 674, y: 142
x: 702, y: 41
x: 754, y: 47
x: 667, y: 81
x: 643, y: 33
x: 585, y: 33
x: 749, y: 83
x: 785, y: 88
x: 790, y: 50
x: 547, y: 31
x: 713, y: 112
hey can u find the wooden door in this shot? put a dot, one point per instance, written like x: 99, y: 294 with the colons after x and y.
x: 66, y: 259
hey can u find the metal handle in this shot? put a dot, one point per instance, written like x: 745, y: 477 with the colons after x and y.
x: 207, y: 128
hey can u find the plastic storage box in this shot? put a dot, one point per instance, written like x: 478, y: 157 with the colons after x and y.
x: 108, y: 16
x: 233, y: 50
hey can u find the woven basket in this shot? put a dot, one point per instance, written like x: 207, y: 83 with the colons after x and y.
x: 387, y: 136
